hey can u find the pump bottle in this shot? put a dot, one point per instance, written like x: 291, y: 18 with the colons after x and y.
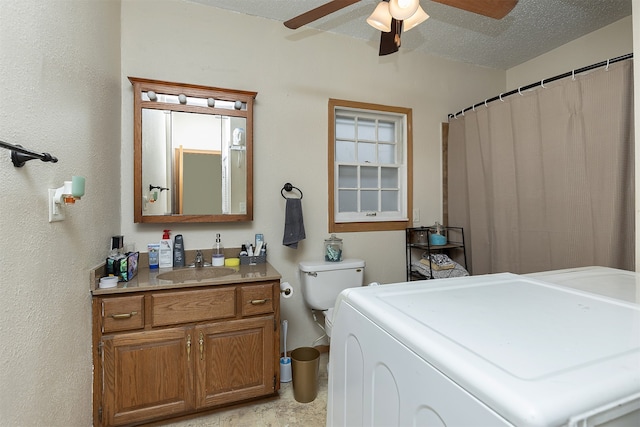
x: 166, y: 252
x: 217, y: 257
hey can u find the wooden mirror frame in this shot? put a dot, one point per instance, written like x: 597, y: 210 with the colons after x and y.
x: 141, y: 86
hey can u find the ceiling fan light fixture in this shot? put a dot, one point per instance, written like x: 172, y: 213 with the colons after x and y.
x: 417, y: 18
x: 380, y: 19
x: 403, y: 9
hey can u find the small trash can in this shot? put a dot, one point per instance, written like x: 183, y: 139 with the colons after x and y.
x: 305, y: 363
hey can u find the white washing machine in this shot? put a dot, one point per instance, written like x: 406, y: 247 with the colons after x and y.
x: 493, y: 350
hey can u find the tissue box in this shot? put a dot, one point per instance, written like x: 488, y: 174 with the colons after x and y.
x: 125, y: 266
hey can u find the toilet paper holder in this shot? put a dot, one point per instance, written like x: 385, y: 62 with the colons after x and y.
x: 286, y: 290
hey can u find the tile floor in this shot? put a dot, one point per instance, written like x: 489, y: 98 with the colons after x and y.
x: 282, y: 411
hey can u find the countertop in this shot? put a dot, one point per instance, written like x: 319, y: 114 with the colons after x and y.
x: 146, y: 279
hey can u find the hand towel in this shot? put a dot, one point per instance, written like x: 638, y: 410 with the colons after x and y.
x: 293, y: 223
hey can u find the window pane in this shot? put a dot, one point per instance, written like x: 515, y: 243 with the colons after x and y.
x: 366, y: 152
x: 345, y: 151
x: 369, y: 201
x: 386, y: 132
x: 347, y: 201
x: 387, y: 154
x: 348, y: 176
x: 389, y: 177
x: 366, y: 129
x: 368, y: 177
x: 390, y: 201
x: 345, y: 128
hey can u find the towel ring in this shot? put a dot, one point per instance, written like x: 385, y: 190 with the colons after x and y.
x: 289, y: 187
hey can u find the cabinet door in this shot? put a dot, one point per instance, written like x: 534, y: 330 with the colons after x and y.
x: 234, y: 361
x: 147, y: 375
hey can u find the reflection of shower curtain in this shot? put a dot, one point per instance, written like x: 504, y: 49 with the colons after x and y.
x: 546, y: 180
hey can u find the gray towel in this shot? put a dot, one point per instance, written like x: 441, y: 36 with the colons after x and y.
x: 293, y: 223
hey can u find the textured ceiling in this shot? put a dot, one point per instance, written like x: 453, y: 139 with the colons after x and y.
x: 532, y: 28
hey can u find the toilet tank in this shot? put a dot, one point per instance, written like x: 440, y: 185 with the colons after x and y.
x: 322, y: 281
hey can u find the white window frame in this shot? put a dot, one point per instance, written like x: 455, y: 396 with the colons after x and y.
x: 372, y: 220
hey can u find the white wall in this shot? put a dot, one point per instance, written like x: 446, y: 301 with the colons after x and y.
x: 608, y: 42
x: 294, y: 73
x: 60, y: 93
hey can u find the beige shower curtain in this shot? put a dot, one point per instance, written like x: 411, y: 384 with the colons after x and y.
x: 543, y: 180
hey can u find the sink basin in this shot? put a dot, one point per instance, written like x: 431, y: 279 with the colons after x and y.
x: 185, y: 274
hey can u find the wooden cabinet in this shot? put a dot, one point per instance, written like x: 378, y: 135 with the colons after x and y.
x: 159, y: 354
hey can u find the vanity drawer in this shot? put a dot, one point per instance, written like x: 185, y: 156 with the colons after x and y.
x: 122, y: 313
x: 193, y: 306
x: 256, y: 299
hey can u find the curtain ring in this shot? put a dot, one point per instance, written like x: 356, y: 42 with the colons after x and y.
x: 485, y: 103
x: 462, y: 113
x: 455, y: 116
x: 473, y: 107
x: 573, y: 74
x: 607, y: 69
x: 520, y: 92
x: 501, y: 98
x: 542, y: 83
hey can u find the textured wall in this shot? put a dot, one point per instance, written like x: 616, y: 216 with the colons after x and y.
x: 59, y: 86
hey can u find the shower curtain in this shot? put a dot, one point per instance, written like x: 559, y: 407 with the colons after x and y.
x: 544, y: 179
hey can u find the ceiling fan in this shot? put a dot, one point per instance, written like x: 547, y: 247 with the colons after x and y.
x: 390, y: 16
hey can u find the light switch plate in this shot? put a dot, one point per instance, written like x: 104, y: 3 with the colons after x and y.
x: 416, y: 215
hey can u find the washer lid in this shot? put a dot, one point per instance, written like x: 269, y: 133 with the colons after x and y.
x: 311, y: 266
x: 534, y: 352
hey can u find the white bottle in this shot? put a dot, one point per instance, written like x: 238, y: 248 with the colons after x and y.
x: 217, y: 257
x: 165, y: 254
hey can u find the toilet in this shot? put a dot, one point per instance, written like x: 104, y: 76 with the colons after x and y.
x: 322, y: 282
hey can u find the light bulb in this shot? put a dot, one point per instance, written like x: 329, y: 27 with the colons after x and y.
x: 403, y: 9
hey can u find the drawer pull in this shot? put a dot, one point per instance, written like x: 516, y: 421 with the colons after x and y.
x: 259, y: 301
x: 124, y: 315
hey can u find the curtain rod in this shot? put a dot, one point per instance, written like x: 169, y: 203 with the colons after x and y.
x: 543, y: 81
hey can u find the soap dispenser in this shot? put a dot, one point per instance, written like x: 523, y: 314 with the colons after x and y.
x: 217, y: 257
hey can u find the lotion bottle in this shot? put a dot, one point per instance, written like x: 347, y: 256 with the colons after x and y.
x: 217, y: 257
x: 165, y: 256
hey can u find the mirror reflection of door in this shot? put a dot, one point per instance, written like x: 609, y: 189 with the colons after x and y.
x: 202, y: 185
x: 198, y: 182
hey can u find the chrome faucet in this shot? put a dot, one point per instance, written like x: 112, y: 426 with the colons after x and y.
x: 199, y: 261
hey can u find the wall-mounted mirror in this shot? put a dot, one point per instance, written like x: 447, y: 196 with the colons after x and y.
x: 193, y: 153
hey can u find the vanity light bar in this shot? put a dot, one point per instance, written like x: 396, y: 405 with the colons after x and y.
x: 152, y: 96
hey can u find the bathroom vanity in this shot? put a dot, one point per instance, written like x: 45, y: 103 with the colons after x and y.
x: 164, y: 348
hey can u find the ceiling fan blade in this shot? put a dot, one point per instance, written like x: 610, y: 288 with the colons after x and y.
x: 317, y: 13
x: 496, y: 9
x: 390, y: 42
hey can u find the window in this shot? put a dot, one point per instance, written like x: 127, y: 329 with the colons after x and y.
x: 370, y: 150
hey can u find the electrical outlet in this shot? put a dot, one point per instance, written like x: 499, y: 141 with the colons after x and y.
x: 416, y: 215
x: 55, y: 211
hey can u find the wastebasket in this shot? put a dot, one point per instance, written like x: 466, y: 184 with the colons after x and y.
x: 305, y: 364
